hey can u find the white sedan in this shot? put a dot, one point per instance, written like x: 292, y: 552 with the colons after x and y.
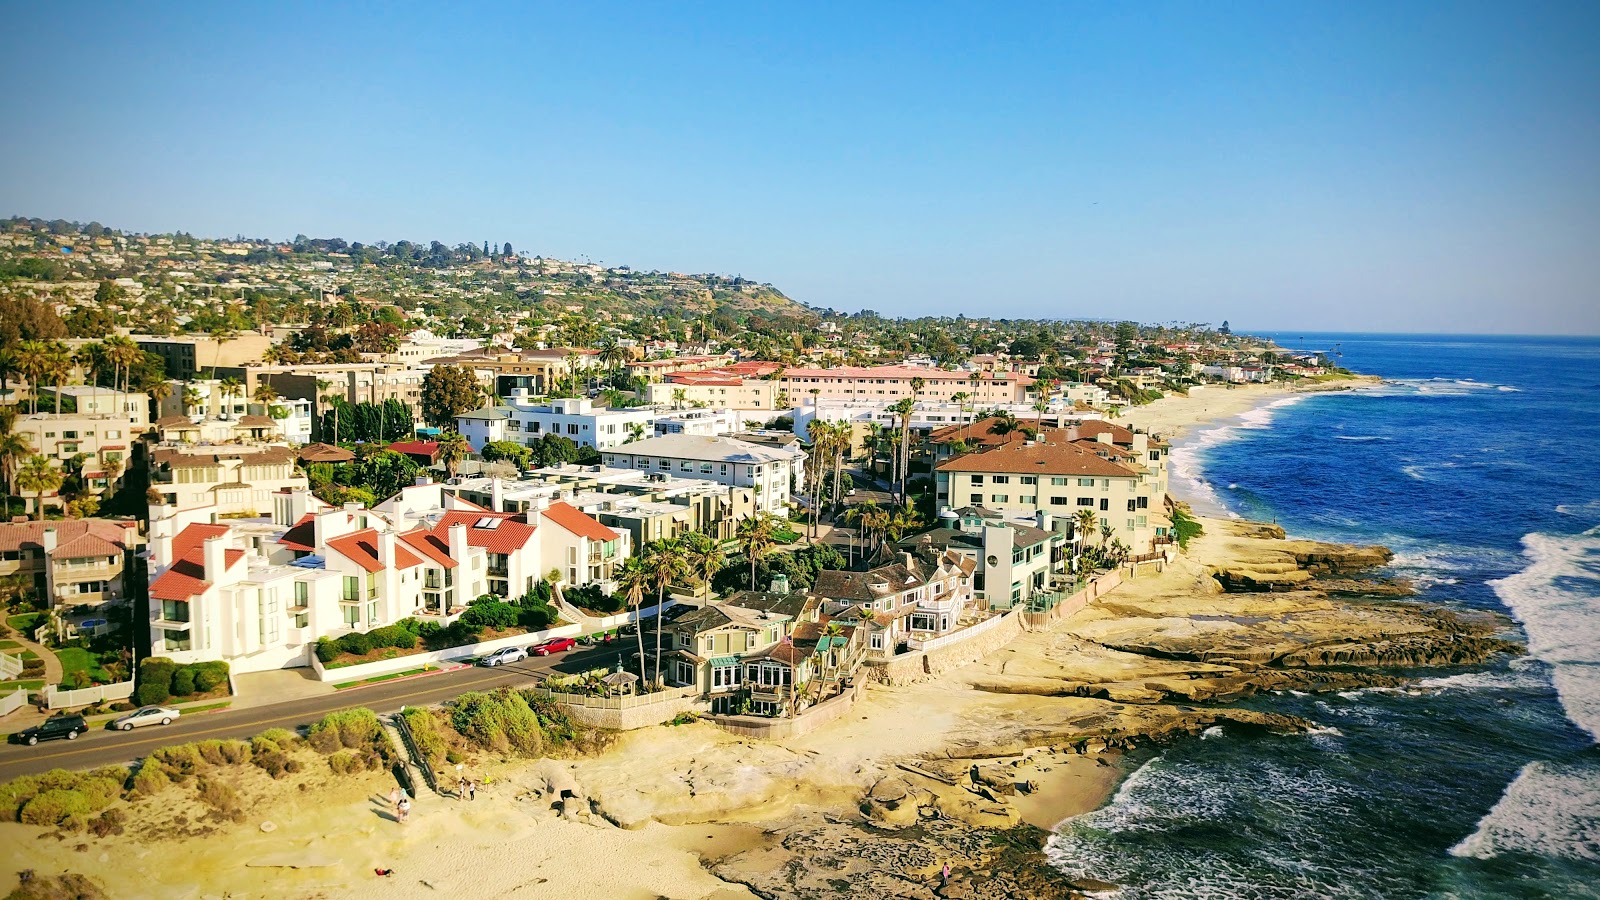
x: 503, y: 656
x: 150, y: 715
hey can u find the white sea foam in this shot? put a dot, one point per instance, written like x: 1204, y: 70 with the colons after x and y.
x: 1361, y: 438
x: 1185, y: 458
x: 1212, y: 732
x: 1585, y: 510
x: 1548, y: 809
x: 1557, y: 600
x: 1508, y: 389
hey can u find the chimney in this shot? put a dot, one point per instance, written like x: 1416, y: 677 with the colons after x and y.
x: 422, y: 479
x: 458, y: 543
x: 48, y: 541
x: 1072, y: 432
x: 906, y: 557
x: 497, y: 495
x: 215, y: 559
x: 780, y: 584
x: 386, y: 549
x: 1044, y: 519
x: 534, y: 513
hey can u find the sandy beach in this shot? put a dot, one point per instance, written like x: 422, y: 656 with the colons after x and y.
x: 693, y: 812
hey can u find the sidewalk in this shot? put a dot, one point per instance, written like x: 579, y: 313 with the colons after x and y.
x: 28, y: 715
x: 254, y: 689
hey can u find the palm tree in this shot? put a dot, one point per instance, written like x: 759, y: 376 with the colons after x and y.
x: 332, y: 400
x: 94, y: 359
x: 705, y: 558
x: 8, y: 368
x: 124, y: 355
x: 231, y: 387
x: 14, y: 446
x: 664, y: 560
x: 219, y: 335
x: 960, y: 397
x: 860, y: 515
x: 58, y: 364
x: 903, y: 408
x: 265, y: 394
x: 678, y: 396
x: 30, y: 364
x: 634, y: 578
x: 38, y: 477
x: 1004, y: 423
x: 756, y: 535
x: 453, y: 448
x: 635, y: 432
x: 191, y: 399
x: 613, y: 355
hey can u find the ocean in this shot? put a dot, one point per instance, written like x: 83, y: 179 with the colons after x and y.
x: 1478, y: 463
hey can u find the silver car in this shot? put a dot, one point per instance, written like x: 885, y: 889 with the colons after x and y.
x: 150, y: 715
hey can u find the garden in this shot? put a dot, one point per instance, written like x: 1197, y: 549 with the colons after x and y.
x: 162, y: 680
x: 486, y: 618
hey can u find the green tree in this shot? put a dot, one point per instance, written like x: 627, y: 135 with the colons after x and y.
x: 447, y: 392
x: 664, y: 560
x: 756, y: 535
x: 38, y: 477
x: 704, y: 557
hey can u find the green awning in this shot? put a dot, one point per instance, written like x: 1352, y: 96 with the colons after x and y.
x: 720, y: 661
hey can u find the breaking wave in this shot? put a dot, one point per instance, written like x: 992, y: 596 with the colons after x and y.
x: 1549, y: 809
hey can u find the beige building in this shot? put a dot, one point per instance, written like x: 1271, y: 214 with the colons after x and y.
x: 71, y: 562
x: 718, y: 389
x: 105, y: 439
x: 188, y: 354
x: 1060, y: 480
x: 236, y: 479
x: 890, y: 383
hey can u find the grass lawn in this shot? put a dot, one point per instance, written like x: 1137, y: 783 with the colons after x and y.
x: 77, y: 659
x: 375, y: 680
x: 7, y: 687
x: 785, y: 536
x: 26, y: 622
x: 9, y: 645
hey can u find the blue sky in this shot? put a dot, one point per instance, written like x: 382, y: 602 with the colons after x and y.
x: 1385, y: 166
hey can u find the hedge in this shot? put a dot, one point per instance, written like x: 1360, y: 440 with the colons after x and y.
x: 402, y: 635
x: 54, y: 796
x: 498, y: 720
x: 160, y: 679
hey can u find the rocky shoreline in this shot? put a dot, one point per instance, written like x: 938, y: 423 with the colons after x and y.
x: 1248, y: 611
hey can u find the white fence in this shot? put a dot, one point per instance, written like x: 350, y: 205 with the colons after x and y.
x: 956, y: 637
x: 10, y: 667
x: 418, y: 660
x: 11, y: 704
x: 55, y: 698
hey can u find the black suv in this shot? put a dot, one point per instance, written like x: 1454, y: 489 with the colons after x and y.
x: 68, y: 727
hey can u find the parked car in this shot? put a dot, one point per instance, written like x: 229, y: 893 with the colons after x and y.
x: 504, y: 655
x: 150, y: 715
x: 554, y: 645
x: 68, y: 727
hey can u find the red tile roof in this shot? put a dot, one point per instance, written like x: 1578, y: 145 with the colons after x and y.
x: 302, y: 536
x: 361, y: 548
x: 186, y: 577
x: 578, y: 522
x: 430, y: 449
x: 508, y: 536
x: 17, y: 535
x: 430, y: 545
x: 1038, y: 459
x: 194, y: 537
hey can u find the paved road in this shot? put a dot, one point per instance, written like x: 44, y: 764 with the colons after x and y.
x: 100, y: 746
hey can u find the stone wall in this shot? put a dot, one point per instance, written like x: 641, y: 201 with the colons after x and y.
x: 917, y: 665
x: 642, y: 716
x: 773, y: 729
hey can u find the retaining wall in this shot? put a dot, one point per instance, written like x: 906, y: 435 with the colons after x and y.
x: 774, y: 729
x: 417, y: 660
x: 974, y: 643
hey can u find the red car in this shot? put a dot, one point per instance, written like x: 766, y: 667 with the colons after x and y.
x: 554, y: 645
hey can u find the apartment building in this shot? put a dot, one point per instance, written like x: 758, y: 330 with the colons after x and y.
x: 70, y: 562
x: 532, y: 372
x: 104, y: 439
x: 1016, y: 560
x: 896, y: 600
x: 650, y: 506
x: 771, y: 471
x: 716, y: 387
x: 522, y: 421
x: 260, y: 592
x: 891, y: 383
x: 93, y: 400
x: 235, y: 479
x: 1060, y: 479
x: 653, y: 370
x: 185, y: 355
x: 698, y: 421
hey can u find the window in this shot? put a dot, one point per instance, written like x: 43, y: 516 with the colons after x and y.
x: 1059, y: 501
x: 372, y: 613
x: 725, y: 676
x: 1029, y: 479
x: 1085, y: 482
x: 1000, y: 498
x: 1086, y: 501
x: 1105, y: 504
x: 572, y: 428
x: 975, y: 499
x: 175, y: 610
x: 1002, y: 479
x: 1058, y: 482
x: 301, y: 620
x: 352, y: 615
x: 1028, y: 498
x: 301, y: 592
x: 352, y: 588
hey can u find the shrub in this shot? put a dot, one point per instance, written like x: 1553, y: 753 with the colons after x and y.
x: 222, y: 797
x: 410, y: 624
x: 223, y: 753
x: 498, y: 720
x: 150, y: 781
x: 156, y: 673
x: 107, y: 823
x: 177, y: 762
x: 347, y: 762
x: 72, y: 794
x: 327, y: 650
x: 269, y: 752
x: 355, y: 643
x: 208, y: 676
x: 490, y: 612
x: 123, y: 706
x: 427, y: 731
x: 183, y: 682
x: 151, y: 694
x: 534, y: 618
x: 346, y: 728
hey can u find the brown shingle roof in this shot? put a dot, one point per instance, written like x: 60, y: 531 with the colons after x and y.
x: 1038, y: 459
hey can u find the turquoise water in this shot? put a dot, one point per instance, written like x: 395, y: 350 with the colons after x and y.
x: 1479, y: 463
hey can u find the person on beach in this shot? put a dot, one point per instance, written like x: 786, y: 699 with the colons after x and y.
x: 394, y: 797
x: 944, y: 876
x: 461, y: 788
x: 472, y: 790
x: 403, y: 810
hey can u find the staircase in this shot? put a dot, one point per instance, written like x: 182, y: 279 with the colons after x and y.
x: 412, y: 763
